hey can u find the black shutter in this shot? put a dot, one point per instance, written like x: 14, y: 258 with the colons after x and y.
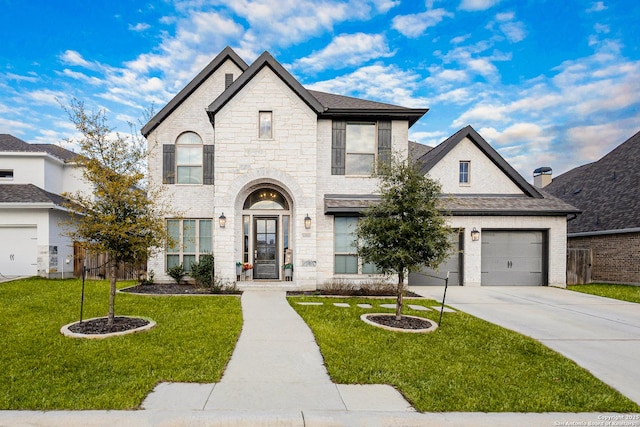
x: 338, y: 147
x: 384, y: 141
x: 168, y: 164
x: 208, y: 161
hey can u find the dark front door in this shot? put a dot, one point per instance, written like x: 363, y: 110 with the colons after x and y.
x: 265, y: 248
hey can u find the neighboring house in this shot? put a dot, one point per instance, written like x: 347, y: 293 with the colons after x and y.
x: 608, y: 194
x: 32, y: 177
x: 265, y: 171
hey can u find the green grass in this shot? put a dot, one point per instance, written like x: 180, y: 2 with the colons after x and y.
x: 42, y: 369
x: 622, y: 292
x: 466, y: 365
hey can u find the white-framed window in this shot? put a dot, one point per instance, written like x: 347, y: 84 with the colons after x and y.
x: 346, y: 260
x: 191, y: 238
x: 464, y: 174
x: 265, y: 122
x: 6, y: 174
x: 361, y: 148
x: 189, y: 158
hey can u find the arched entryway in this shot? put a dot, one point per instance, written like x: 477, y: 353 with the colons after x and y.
x: 266, y: 231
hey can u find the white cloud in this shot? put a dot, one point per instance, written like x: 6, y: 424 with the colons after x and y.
x: 72, y: 57
x: 416, y: 24
x: 460, y: 39
x: 20, y: 78
x: 140, y: 26
x: 347, y: 50
x: 47, y: 97
x: 597, y: 7
x: 476, y: 5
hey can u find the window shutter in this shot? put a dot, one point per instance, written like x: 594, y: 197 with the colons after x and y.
x: 338, y: 147
x: 384, y: 141
x: 168, y: 164
x: 208, y: 161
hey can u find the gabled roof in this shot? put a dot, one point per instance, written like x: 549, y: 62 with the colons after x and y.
x: 264, y: 60
x: 9, y: 143
x: 28, y: 194
x: 227, y: 53
x: 607, y: 191
x: 430, y: 159
x: 416, y: 150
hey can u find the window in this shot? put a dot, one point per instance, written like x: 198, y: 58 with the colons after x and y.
x: 191, y: 238
x: 265, y: 122
x: 360, y: 148
x: 464, y: 172
x: 6, y: 174
x: 189, y: 158
x: 346, y: 260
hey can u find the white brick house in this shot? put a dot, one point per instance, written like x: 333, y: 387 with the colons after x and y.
x: 259, y: 165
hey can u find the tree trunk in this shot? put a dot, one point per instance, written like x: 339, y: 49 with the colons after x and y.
x: 112, y: 294
x: 400, y: 295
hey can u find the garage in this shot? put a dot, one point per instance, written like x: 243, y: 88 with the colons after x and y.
x: 18, y: 253
x: 452, y: 264
x: 513, y: 258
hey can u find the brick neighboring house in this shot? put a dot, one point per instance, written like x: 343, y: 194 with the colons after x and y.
x: 608, y: 194
x: 266, y: 171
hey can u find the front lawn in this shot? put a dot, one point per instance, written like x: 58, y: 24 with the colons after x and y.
x: 41, y: 369
x: 622, y: 292
x: 466, y: 365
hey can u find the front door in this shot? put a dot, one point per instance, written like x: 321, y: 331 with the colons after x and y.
x: 265, y: 247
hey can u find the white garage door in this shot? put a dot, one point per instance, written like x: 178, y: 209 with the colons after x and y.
x: 452, y: 264
x: 18, y: 251
x: 512, y: 258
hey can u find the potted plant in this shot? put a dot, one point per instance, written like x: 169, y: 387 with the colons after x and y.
x: 246, y: 267
x: 238, y: 270
x: 288, y: 272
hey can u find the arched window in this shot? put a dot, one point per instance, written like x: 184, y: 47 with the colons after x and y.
x: 189, y: 158
x: 266, y: 198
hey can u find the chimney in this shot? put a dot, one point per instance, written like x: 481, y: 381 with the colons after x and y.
x: 542, y: 177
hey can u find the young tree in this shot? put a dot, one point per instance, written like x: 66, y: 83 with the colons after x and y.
x: 405, y: 230
x: 120, y: 217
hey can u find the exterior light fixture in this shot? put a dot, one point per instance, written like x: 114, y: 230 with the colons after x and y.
x: 222, y: 220
x: 307, y: 222
x: 475, y: 234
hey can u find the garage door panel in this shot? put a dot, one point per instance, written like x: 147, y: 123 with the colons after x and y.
x: 512, y: 258
x: 452, y: 264
x: 18, y: 253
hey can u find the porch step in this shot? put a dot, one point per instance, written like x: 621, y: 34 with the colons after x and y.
x: 269, y: 285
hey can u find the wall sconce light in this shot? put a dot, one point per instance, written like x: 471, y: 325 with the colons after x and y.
x: 222, y: 220
x: 475, y: 234
x: 307, y: 222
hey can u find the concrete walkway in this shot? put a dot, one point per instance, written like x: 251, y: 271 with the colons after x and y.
x: 599, y: 334
x: 276, y: 366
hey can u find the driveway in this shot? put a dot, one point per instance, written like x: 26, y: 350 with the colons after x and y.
x: 599, y: 334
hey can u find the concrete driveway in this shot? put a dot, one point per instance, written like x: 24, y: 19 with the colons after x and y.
x: 599, y: 334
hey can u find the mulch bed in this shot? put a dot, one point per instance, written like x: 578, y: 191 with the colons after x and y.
x: 99, y: 326
x: 404, y: 322
x: 350, y: 293
x: 174, y: 289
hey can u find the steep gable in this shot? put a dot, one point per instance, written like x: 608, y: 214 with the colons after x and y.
x: 607, y: 191
x: 489, y: 173
x: 221, y: 58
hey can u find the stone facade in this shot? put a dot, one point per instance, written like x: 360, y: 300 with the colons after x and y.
x: 616, y: 257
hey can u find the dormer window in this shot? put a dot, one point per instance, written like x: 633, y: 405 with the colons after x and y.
x: 265, y: 119
x: 464, y: 177
x: 189, y: 158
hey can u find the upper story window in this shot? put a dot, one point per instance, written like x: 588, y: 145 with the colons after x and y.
x: 189, y: 158
x: 6, y: 174
x: 464, y: 172
x: 360, y: 147
x: 265, y: 119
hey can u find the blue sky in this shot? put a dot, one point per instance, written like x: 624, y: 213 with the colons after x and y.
x: 545, y: 82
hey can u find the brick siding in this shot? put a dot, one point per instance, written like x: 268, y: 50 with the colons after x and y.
x: 616, y: 257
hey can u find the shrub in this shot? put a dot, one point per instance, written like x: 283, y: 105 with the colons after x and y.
x: 202, y: 272
x: 177, y: 273
x: 148, y: 278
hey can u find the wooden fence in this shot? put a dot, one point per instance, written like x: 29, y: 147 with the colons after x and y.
x: 579, y: 266
x: 98, y: 266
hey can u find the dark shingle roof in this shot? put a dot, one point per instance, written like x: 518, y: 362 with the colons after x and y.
x: 28, y: 193
x: 416, y: 150
x: 9, y: 143
x: 607, y: 191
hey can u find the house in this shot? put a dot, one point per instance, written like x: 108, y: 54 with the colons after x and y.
x: 32, y: 179
x: 608, y: 194
x: 267, y: 172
